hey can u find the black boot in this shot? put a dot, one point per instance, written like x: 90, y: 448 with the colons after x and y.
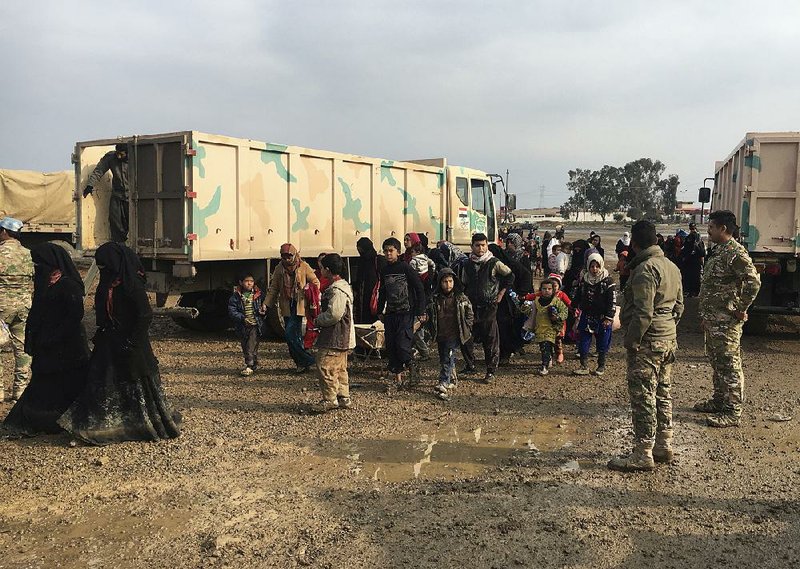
x: 601, y: 363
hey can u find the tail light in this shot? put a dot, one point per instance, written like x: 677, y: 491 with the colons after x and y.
x: 773, y: 269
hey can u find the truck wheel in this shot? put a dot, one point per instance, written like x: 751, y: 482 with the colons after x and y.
x: 756, y: 324
x: 275, y: 322
x: 213, y: 307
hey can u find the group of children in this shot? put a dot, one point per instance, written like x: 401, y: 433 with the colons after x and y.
x: 455, y: 307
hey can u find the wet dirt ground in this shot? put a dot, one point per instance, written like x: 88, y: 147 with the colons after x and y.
x: 507, y: 475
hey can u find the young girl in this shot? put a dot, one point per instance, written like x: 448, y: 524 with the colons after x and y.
x: 563, y: 297
x: 597, y: 300
x: 551, y: 313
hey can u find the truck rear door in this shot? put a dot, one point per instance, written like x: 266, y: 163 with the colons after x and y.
x: 158, y: 196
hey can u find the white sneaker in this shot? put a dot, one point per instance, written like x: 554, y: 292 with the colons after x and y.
x: 246, y: 372
x: 544, y: 371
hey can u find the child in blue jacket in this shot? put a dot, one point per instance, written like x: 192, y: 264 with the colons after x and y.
x: 247, y: 310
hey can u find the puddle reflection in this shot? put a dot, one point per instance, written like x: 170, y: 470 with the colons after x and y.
x: 441, y: 453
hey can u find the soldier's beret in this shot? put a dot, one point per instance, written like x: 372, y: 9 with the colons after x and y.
x: 11, y: 224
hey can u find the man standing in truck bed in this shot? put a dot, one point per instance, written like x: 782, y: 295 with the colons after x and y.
x: 117, y: 162
x: 730, y: 284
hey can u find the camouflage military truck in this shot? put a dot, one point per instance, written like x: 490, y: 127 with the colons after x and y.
x: 204, y: 207
x: 760, y: 182
x: 43, y: 201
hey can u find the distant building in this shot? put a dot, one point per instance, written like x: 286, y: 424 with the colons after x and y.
x: 553, y: 214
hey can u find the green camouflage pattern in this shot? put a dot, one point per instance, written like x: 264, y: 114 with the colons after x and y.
x: 649, y: 383
x: 730, y: 283
x: 722, y: 340
x: 16, y: 274
x: 16, y: 288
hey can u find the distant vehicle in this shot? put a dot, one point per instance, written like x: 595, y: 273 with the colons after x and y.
x: 204, y: 208
x: 42, y: 201
x: 760, y: 182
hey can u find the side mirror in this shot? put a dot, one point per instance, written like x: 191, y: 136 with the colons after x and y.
x: 494, y: 187
x: 705, y: 195
x: 511, y: 202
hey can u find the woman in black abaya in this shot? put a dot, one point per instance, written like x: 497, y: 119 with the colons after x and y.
x: 367, y: 276
x: 55, y: 339
x: 123, y: 399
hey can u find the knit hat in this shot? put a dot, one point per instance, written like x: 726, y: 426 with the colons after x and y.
x: 555, y: 277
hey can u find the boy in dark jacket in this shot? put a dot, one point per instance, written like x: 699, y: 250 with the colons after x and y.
x: 401, y: 301
x: 451, y: 317
x: 596, y: 298
x: 247, y: 310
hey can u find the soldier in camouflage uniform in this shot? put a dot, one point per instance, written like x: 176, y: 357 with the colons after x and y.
x: 117, y: 162
x: 651, y: 308
x: 16, y: 287
x: 730, y: 284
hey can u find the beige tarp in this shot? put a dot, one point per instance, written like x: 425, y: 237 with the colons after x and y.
x: 38, y: 198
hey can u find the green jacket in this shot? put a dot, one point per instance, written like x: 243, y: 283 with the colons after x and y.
x: 16, y: 275
x: 730, y: 283
x: 652, y: 303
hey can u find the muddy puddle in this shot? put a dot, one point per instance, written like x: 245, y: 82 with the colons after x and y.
x: 447, y: 451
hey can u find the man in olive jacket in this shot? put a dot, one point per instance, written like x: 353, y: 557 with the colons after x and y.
x: 651, y: 308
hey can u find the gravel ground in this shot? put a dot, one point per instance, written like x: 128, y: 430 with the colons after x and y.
x: 511, y: 474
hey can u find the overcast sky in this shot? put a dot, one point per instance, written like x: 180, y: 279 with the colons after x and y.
x: 537, y: 88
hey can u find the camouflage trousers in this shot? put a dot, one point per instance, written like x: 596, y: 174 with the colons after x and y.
x: 649, y: 383
x: 724, y: 354
x: 16, y: 318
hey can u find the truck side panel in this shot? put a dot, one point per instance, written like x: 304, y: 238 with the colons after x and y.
x: 215, y: 209
x: 759, y: 182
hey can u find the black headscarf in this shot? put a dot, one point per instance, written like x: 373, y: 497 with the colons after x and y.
x: 49, y: 257
x: 118, y: 262
x: 366, y: 248
x: 498, y: 252
x: 119, y: 267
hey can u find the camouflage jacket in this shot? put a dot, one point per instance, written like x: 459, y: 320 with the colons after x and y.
x: 730, y: 282
x: 652, y: 302
x: 119, y: 173
x: 16, y: 274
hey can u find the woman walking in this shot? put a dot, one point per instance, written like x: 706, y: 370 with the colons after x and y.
x: 55, y: 339
x: 367, y: 281
x: 287, y: 290
x: 123, y: 399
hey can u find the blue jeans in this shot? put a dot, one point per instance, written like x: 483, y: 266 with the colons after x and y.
x: 447, y: 360
x: 294, y: 339
x: 588, y: 327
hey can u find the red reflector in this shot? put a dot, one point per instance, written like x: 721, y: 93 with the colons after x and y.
x: 773, y: 269
x: 191, y: 237
x: 191, y: 152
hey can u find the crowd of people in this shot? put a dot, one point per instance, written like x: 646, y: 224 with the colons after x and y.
x: 421, y: 294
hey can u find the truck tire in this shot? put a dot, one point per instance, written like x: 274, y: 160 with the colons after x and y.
x: 213, y: 307
x: 756, y: 324
x: 275, y: 322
